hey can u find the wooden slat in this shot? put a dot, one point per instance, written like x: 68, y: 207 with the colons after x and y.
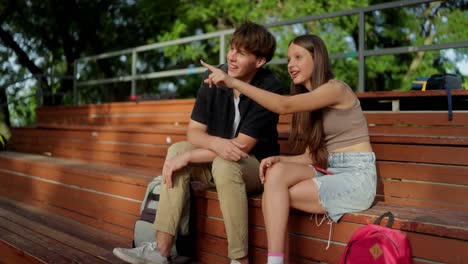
x: 165, y: 129
x: 96, y: 183
x: 164, y: 106
x: 91, y: 221
x: 16, y: 249
x: 400, y: 94
x: 425, y: 131
x: 147, y: 138
x: 455, y: 195
x: 311, y: 242
x: 407, y: 218
x: 73, y: 232
x: 108, y: 173
x: 420, y: 139
x: 44, y: 145
x: 76, y: 255
x: 425, y: 154
x: 415, y: 118
x: 110, y: 209
x: 450, y: 174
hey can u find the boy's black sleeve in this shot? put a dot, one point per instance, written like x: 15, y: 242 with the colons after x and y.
x: 199, y: 112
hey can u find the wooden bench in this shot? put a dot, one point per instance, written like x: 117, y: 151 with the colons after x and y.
x: 32, y: 235
x: 422, y: 163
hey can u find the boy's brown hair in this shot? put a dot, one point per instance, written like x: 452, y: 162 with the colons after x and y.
x: 255, y: 39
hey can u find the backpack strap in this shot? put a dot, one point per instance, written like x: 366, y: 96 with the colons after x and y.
x: 151, y: 197
x: 449, y: 100
x: 390, y: 219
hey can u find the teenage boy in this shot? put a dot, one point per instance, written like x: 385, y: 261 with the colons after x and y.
x: 228, y: 135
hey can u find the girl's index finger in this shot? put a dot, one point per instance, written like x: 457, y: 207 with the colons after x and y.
x: 208, y: 66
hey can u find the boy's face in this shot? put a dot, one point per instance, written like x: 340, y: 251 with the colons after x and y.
x: 242, y: 64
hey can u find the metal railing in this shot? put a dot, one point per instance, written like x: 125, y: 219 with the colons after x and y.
x: 361, y: 53
x: 39, y: 93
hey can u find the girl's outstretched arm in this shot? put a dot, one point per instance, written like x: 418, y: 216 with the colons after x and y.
x: 326, y: 95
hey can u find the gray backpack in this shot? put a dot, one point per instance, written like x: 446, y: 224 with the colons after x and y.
x: 144, y: 230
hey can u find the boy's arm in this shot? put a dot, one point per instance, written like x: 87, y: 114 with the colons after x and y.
x: 229, y: 149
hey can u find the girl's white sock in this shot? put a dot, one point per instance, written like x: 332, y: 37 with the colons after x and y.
x: 275, y: 259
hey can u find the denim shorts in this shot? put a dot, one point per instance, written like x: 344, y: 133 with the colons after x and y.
x: 351, y: 187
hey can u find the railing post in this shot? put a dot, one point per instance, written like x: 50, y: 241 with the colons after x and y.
x: 75, y: 78
x: 222, y: 49
x: 361, y: 48
x: 39, y: 91
x: 134, y: 73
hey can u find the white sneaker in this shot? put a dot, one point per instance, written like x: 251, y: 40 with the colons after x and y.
x: 148, y: 253
x: 234, y: 261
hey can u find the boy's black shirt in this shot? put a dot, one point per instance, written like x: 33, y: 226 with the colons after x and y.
x: 214, y: 107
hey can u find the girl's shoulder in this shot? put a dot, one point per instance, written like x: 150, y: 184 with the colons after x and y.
x: 339, y: 83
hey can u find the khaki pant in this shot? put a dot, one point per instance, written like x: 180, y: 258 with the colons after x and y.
x: 233, y: 180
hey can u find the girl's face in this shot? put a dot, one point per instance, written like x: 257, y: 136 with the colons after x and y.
x: 300, y: 65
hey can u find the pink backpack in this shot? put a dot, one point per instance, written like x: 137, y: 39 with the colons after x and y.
x: 378, y: 244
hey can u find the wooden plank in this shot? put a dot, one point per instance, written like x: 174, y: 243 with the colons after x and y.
x: 75, y: 255
x: 155, y: 167
x: 117, y: 159
x: 90, y: 146
x: 417, y: 219
x: 101, y: 157
x: 126, y: 233
x: 428, y: 205
x: 147, y: 138
x: 14, y: 244
x: 312, y: 246
x: 427, y: 131
x: 11, y: 254
x: 399, y: 94
x: 163, y: 106
x: 140, y: 128
x: 424, y: 191
x: 73, y: 232
x: 417, y: 118
x: 425, y: 154
x: 450, y: 174
x: 420, y: 139
x: 407, y: 218
x: 100, y: 206
x: 98, y: 184
x: 110, y: 173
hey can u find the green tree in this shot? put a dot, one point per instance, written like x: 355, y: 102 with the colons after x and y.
x: 46, y: 37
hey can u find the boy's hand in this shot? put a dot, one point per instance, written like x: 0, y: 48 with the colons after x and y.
x: 171, y: 166
x: 229, y: 149
x: 217, y: 77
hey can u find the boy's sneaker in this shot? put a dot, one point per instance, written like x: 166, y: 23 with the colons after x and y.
x: 148, y: 253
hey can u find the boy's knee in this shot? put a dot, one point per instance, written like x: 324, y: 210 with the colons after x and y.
x: 178, y: 148
x: 226, y: 172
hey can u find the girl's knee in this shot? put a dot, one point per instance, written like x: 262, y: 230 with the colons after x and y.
x: 275, y: 176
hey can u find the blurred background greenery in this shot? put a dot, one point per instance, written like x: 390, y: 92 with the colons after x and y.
x: 46, y: 37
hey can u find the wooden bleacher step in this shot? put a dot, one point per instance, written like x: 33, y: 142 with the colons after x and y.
x: 32, y: 235
x: 102, y: 196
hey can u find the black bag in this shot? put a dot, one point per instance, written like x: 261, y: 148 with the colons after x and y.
x: 445, y: 82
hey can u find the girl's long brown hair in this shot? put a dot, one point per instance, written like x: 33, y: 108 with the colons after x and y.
x: 307, y: 127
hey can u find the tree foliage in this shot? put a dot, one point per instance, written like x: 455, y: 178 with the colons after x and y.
x: 46, y: 37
